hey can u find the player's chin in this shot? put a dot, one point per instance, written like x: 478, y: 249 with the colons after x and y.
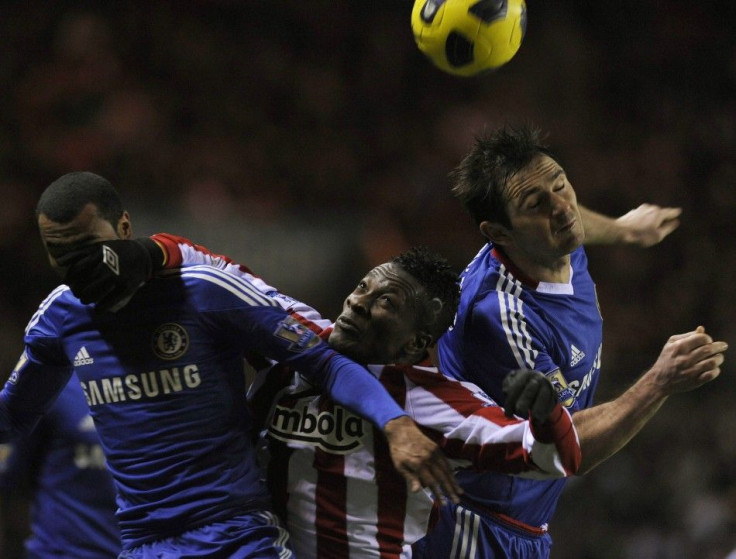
x: 570, y: 239
x: 343, y: 342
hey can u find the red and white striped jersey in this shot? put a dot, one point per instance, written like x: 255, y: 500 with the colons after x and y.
x: 331, y: 474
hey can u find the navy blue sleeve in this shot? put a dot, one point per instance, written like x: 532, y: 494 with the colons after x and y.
x: 256, y: 322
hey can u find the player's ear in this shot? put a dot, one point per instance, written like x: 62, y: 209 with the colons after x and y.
x: 125, y: 227
x: 495, y: 232
x: 418, y: 346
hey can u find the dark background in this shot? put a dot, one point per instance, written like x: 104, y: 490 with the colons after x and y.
x: 311, y: 140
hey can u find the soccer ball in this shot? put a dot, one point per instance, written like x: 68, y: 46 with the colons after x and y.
x: 467, y: 37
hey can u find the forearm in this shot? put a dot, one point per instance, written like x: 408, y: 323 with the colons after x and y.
x: 358, y: 390
x: 604, y: 429
x: 601, y: 229
x: 643, y: 226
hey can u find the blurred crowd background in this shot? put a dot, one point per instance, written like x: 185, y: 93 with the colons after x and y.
x: 311, y: 140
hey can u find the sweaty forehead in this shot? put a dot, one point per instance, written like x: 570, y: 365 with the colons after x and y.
x: 540, y: 173
x: 392, y: 278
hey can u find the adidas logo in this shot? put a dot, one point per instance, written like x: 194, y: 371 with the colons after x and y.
x: 577, y: 355
x: 82, y: 358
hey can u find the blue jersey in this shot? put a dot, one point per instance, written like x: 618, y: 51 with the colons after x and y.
x: 506, y: 322
x: 73, y: 498
x: 164, y: 380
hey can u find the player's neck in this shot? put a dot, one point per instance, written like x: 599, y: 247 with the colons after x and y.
x: 535, y: 270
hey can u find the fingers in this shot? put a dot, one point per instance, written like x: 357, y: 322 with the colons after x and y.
x: 527, y: 397
x: 77, y: 255
x: 544, y: 402
x: 663, y: 214
x: 669, y: 214
x: 437, y: 476
x: 513, y: 387
x: 420, y: 460
x: 689, y: 360
x: 649, y: 224
x: 697, y: 336
x: 668, y: 226
x: 528, y: 393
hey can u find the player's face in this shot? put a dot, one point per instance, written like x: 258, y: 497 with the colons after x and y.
x: 60, y: 238
x: 543, y: 209
x: 379, y: 318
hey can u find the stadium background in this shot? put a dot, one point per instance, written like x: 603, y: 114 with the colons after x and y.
x: 310, y: 140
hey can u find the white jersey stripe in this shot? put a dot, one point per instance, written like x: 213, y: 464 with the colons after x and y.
x: 44, y: 305
x: 465, y: 538
x: 508, y: 292
x: 282, y: 540
x: 242, y: 289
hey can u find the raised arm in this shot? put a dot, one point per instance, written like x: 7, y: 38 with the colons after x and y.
x: 644, y: 226
x: 533, y: 437
x: 686, y: 362
x: 109, y: 272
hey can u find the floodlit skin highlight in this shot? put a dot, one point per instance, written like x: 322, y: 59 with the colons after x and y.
x: 546, y: 225
x: 378, y: 323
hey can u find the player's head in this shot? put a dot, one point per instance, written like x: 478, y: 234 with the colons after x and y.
x: 518, y: 193
x: 398, y: 310
x: 78, y: 209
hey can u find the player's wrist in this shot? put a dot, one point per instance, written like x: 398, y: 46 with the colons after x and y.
x: 548, y: 431
x: 154, y: 253
x: 391, y: 427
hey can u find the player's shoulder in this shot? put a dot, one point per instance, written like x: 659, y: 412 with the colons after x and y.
x: 57, y: 306
x: 211, y: 283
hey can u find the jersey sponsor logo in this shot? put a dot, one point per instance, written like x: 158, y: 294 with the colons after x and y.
x: 337, y: 431
x: 83, y: 357
x: 141, y: 386
x: 300, y: 336
x: 576, y: 355
x: 565, y: 394
x: 170, y: 341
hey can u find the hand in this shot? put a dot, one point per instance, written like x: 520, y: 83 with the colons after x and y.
x: 108, y: 273
x: 686, y: 362
x: 648, y: 224
x: 529, y: 394
x: 420, y: 460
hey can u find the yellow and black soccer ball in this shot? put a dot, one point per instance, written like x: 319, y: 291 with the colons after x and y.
x: 468, y: 37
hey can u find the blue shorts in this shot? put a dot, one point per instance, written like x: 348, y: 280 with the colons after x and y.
x: 248, y: 536
x: 462, y: 533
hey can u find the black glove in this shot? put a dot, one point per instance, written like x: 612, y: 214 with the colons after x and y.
x: 529, y: 393
x: 107, y: 273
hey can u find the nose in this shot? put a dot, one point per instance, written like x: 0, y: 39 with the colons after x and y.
x: 560, y: 204
x: 357, y: 303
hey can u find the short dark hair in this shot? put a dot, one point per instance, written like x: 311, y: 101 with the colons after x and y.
x: 66, y: 197
x: 480, y: 179
x: 439, y: 280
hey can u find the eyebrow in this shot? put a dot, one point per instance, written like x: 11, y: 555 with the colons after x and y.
x: 534, y: 189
